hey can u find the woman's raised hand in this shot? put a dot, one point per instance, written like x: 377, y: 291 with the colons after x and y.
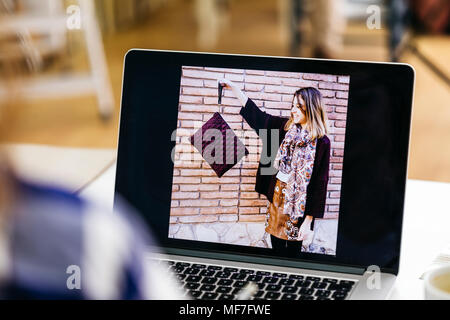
x: 228, y: 84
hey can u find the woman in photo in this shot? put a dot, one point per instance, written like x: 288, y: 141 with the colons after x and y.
x: 297, y: 190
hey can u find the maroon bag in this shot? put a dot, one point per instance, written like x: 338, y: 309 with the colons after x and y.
x: 218, y: 145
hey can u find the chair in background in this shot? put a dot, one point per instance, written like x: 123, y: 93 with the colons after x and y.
x: 40, y: 32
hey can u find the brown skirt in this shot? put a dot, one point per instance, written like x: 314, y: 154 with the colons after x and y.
x: 276, y: 219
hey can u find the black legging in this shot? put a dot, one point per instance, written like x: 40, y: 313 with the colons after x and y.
x: 285, y: 247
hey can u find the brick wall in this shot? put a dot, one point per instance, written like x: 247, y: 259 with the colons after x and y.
x: 198, y: 195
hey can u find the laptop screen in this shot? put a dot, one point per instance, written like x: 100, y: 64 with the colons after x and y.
x: 288, y: 159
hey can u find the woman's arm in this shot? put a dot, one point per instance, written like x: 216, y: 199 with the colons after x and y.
x: 228, y: 84
x: 254, y: 116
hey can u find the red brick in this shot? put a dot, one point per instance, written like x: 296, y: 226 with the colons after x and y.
x: 334, y: 187
x: 185, y: 180
x: 198, y: 219
x: 199, y: 203
x: 342, y: 94
x: 253, y: 203
x: 255, y: 72
x: 337, y: 131
x: 200, y: 91
x: 225, y: 101
x: 188, y: 164
x: 335, y: 194
x: 262, y: 79
x: 185, y: 195
x: 328, y: 93
x: 279, y: 89
x: 335, y: 180
x: 193, y: 68
x: 173, y: 220
x: 232, y: 173
x: 191, y: 82
x: 340, y: 124
x: 236, y: 126
x: 337, y: 116
x: 283, y: 74
x: 189, y: 187
x: 333, y: 86
x: 189, y: 116
x: 228, y: 202
x: 234, y: 77
x: 249, y: 195
x: 232, y: 118
x: 249, y: 210
x: 191, y: 99
x: 197, y: 172
x: 278, y: 105
x: 219, y: 195
x: 232, y: 110
x: 298, y: 83
x: 199, y: 108
x: 335, y: 173
x: 191, y: 123
x: 338, y: 152
x: 247, y: 187
x: 288, y: 98
x: 184, y: 211
x: 202, y: 74
x: 335, y: 102
x: 227, y: 70
x: 208, y: 187
x: 229, y: 187
x: 336, y: 159
x: 252, y: 218
x: 253, y: 87
x: 228, y: 218
x: 332, y: 201
x: 344, y: 79
x: 341, y: 109
x: 336, y: 166
x: 220, y: 180
x: 219, y: 210
x: 264, y: 96
x: 248, y: 173
x: 251, y: 180
x: 319, y: 77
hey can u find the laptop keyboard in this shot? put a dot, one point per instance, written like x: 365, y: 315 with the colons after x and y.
x: 212, y: 282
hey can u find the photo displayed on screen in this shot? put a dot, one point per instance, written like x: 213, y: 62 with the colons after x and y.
x: 258, y: 158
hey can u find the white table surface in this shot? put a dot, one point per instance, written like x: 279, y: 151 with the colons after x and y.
x: 425, y: 229
x: 64, y: 167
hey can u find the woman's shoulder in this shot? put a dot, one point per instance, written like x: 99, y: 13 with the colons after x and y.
x: 324, y: 140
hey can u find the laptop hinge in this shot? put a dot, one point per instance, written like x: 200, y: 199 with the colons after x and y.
x: 265, y: 261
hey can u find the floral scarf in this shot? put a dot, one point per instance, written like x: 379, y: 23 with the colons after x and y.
x: 295, y: 158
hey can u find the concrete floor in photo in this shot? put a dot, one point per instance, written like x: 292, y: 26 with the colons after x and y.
x: 253, y: 234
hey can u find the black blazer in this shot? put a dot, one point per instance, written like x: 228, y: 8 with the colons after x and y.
x: 316, y: 192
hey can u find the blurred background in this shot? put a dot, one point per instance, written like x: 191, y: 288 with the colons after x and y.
x: 69, y: 56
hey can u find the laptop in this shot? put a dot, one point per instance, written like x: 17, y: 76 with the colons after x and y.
x: 216, y: 211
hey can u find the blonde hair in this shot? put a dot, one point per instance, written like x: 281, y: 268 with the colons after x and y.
x: 316, y: 115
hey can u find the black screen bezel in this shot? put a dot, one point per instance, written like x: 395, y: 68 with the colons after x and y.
x: 142, y: 98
